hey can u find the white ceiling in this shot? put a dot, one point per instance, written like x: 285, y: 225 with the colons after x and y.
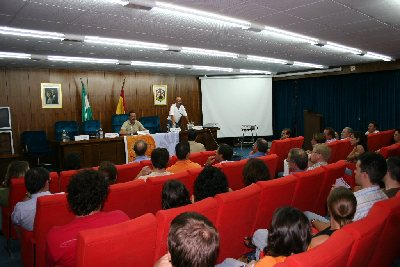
x: 369, y: 25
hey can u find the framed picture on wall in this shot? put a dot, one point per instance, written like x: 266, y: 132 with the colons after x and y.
x: 51, y: 95
x: 160, y: 94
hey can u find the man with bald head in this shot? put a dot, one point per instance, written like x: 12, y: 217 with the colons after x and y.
x: 176, y: 112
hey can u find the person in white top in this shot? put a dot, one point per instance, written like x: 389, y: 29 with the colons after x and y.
x: 329, y: 135
x: 176, y: 112
x: 372, y: 128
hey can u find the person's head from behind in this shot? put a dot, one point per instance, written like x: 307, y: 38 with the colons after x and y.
x: 192, y: 135
x: 255, y: 170
x: 372, y: 126
x: 72, y: 162
x: 87, y: 192
x: 210, y: 182
x: 342, y: 205
x: 140, y: 148
x: 290, y: 232
x: 329, y: 133
x: 174, y: 194
x: 393, y: 169
x: 318, y: 138
x: 182, y: 150
x: 15, y: 169
x: 370, y: 169
x: 224, y: 152
x: 346, y: 132
x: 297, y: 159
x: 320, y: 153
x: 286, y: 133
x: 37, y: 180
x: 396, y: 136
x: 193, y: 241
x: 359, y: 138
x: 261, y: 145
x: 109, y: 171
x: 160, y: 158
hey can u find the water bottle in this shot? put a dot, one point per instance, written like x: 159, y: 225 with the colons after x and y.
x: 101, y: 134
x: 64, y: 136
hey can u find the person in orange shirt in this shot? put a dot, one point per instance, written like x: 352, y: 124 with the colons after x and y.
x: 182, y: 150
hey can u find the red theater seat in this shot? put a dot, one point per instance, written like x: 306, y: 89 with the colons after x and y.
x: 390, y: 151
x: 54, y: 182
x: 130, y: 243
x: 207, y: 207
x: 272, y: 163
x: 378, y: 140
x: 307, y: 189
x: 235, y: 220
x: 172, y: 160
x: 130, y: 197
x: 65, y: 177
x: 334, y: 146
x: 193, y: 173
x: 296, y: 142
x: 202, y: 157
x: 127, y: 172
x: 233, y: 171
x: 343, y: 150
x: 280, y: 148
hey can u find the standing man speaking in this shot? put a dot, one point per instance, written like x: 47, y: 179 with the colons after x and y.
x: 176, y: 112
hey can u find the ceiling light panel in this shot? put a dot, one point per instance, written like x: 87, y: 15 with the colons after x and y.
x: 378, y: 56
x: 156, y: 64
x: 31, y: 33
x: 209, y: 68
x: 309, y: 65
x: 83, y: 60
x: 290, y: 35
x: 342, y: 48
x: 207, y: 52
x: 124, y: 43
x: 14, y: 55
x: 254, y: 71
x: 267, y: 59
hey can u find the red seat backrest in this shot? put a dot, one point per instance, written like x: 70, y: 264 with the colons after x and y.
x: 172, y: 160
x: 233, y: 171
x: 390, y: 151
x: 307, y: 189
x: 334, y: 146
x: 343, y: 150
x: 207, y: 207
x: 296, y: 142
x: 146, y: 162
x: 193, y: 173
x: 377, y: 140
x: 235, y: 219
x: 386, y: 137
x: 274, y: 194
x: 272, y: 163
x: 130, y: 243
x: 27, y: 248
x: 280, y: 148
x: 196, y: 157
x: 54, y: 182
x: 130, y: 197
x: 65, y: 177
x: 128, y: 172
x: 332, y: 172
x: 51, y: 211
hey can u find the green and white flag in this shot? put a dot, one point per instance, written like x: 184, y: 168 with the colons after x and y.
x: 86, y: 109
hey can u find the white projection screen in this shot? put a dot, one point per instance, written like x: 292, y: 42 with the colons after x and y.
x: 233, y: 102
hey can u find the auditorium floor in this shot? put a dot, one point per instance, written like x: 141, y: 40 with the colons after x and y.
x: 5, y: 259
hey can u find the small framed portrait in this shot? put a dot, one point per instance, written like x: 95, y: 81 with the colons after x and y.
x: 51, y: 95
x: 160, y: 94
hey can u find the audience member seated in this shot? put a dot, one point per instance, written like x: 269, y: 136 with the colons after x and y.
x: 131, y: 126
x: 372, y: 128
x: 370, y: 170
x: 342, y: 206
x: 319, y: 156
x: 182, y: 150
x: 109, y: 171
x: 72, y: 161
x: 140, y: 148
x: 392, y: 177
x: 396, y: 136
x: 346, y: 133
x: 255, y: 170
x: 174, y: 194
x: 318, y: 138
x: 37, y: 184
x: 87, y: 192
x: 297, y: 161
x: 223, y: 153
x: 159, y: 160
x: 359, y: 142
x: 210, y: 182
x: 194, y: 146
x: 192, y: 241
x: 260, y: 148
x: 286, y: 133
x: 329, y: 134
x: 15, y: 169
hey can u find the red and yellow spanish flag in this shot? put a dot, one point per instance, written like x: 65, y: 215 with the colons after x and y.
x: 121, y: 107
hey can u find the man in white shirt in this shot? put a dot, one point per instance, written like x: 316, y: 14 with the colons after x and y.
x: 372, y: 128
x: 176, y: 112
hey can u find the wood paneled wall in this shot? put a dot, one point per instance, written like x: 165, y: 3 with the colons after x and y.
x: 20, y: 90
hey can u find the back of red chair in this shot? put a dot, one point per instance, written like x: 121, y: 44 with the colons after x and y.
x: 272, y: 163
x: 307, y: 189
x: 128, y: 172
x: 146, y: 162
x: 65, y: 177
x: 386, y: 137
x: 205, y: 155
x: 296, y: 142
x: 349, y: 174
x: 193, y: 173
x: 130, y: 197
x: 51, y: 211
x: 207, y: 207
x: 280, y: 148
x: 274, y: 194
x: 390, y: 151
x: 196, y: 157
x: 130, y: 243
x: 373, y: 141
x: 27, y: 248
x: 233, y: 171
x: 334, y: 146
x: 235, y: 220
x: 54, y: 182
x: 344, y: 149
x: 172, y: 160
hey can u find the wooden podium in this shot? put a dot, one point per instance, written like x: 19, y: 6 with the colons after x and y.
x: 312, y: 124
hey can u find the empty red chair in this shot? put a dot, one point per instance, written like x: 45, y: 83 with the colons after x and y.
x: 296, y: 142
x: 274, y: 194
x: 235, y: 219
x: 130, y: 197
x: 390, y: 151
x: 172, y: 160
x: 155, y: 186
x: 54, y: 182
x: 280, y: 148
x: 343, y: 150
x: 233, y: 171
x: 207, y: 207
x: 65, y: 177
x: 334, y: 146
x: 128, y: 172
x: 307, y: 189
x: 272, y: 163
x: 130, y: 243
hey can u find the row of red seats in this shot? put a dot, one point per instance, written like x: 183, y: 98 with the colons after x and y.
x: 339, y: 150
x: 390, y: 151
x: 381, y: 139
x: 236, y: 214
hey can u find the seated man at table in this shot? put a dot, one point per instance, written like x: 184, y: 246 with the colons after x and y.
x: 194, y: 146
x: 131, y: 126
x: 182, y: 150
x: 140, y: 148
